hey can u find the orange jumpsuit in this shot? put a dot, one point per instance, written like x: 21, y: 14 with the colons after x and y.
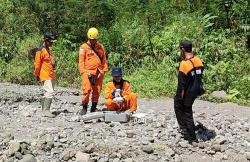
x: 91, y: 63
x: 130, y: 102
x: 44, y: 65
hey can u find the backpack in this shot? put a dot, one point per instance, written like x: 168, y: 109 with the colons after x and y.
x: 195, y: 90
x: 32, y: 53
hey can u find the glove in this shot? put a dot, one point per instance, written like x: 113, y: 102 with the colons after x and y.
x: 37, y: 78
x: 118, y: 100
x: 117, y: 93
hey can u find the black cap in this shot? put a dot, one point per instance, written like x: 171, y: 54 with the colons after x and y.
x: 49, y: 35
x: 186, y: 44
x: 116, y: 71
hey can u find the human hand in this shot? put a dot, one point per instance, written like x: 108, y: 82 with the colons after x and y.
x: 118, y: 99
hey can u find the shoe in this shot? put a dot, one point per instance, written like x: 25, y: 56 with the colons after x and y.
x: 46, y: 108
x: 83, y: 111
x: 93, y: 107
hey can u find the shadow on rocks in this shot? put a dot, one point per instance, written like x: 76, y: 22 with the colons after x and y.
x: 203, y: 133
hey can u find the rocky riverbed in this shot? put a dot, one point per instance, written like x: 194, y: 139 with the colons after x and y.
x: 26, y: 136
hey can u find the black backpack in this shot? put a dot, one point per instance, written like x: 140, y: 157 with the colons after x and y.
x: 32, y: 53
x: 194, y: 90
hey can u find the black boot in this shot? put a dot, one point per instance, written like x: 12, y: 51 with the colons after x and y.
x: 93, y: 107
x: 83, y: 111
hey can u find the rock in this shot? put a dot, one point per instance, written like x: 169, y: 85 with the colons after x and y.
x: 177, y: 158
x: 248, y: 155
x: 116, y: 160
x: 169, y: 152
x: 148, y: 149
x: 14, y: 147
x: 63, y: 140
x: 75, y: 119
x: 183, y: 144
x: 211, y: 152
x: 216, y: 148
x: 90, y: 148
x: 201, y: 145
x: 144, y: 142
x: 103, y: 160
x: 128, y: 160
x: 28, y: 158
x: 130, y: 134
x: 82, y: 157
x: 219, y: 94
x: 220, y: 140
x: 24, y: 148
x: 18, y: 155
x: 68, y: 155
x: 151, y: 140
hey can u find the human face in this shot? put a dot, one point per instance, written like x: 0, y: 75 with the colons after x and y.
x: 48, y: 42
x: 117, y: 78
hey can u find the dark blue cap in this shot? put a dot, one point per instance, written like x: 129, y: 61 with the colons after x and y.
x: 49, y: 35
x: 186, y: 44
x: 116, y: 71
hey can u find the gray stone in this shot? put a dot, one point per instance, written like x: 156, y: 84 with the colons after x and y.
x: 63, y: 140
x: 219, y: 94
x: 28, y: 158
x: 216, y: 148
x: 116, y: 160
x: 248, y: 155
x: 82, y: 157
x: 128, y: 160
x: 211, y: 152
x: 90, y: 148
x: 183, y: 144
x: 94, y: 115
x: 18, y: 155
x: 130, y: 134
x: 75, y: 119
x: 14, y: 147
x: 220, y: 140
x: 148, y: 149
x: 116, y: 117
x: 177, y: 158
x: 169, y: 152
x: 67, y: 155
x: 103, y: 160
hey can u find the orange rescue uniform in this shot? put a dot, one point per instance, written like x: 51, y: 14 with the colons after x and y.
x: 94, y: 64
x: 44, y: 64
x: 130, y: 102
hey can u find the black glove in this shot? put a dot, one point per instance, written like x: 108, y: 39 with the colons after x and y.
x: 92, y: 79
x: 37, y: 78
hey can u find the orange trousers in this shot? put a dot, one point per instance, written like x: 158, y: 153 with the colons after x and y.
x: 87, y: 88
x: 130, y: 103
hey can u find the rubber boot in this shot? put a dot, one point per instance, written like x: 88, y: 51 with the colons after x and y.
x: 83, y: 111
x: 46, y: 110
x: 42, y: 103
x: 93, y: 107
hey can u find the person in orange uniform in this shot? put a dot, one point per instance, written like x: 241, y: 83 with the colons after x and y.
x: 44, y: 71
x: 189, y: 88
x: 92, y: 67
x: 118, y: 95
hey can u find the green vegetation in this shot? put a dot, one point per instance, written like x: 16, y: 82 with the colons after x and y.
x: 141, y: 36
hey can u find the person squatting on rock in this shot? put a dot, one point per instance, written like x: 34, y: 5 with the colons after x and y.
x: 44, y: 71
x: 92, y: 67
x: 189, y: 88
x: 118, y: 95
